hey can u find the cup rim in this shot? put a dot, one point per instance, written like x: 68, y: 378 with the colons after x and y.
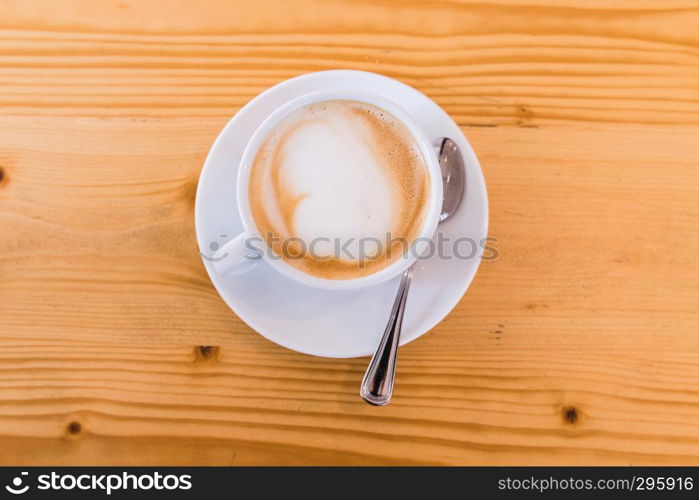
x: 426, y: 147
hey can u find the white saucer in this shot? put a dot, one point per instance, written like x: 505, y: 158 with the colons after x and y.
x: 328, y: 323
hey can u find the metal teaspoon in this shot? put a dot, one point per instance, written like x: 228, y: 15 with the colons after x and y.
x: 377, y: 385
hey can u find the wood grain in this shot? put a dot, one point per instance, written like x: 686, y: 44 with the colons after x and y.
x: 578, y: 345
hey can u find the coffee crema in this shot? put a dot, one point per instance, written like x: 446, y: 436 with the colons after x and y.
x: 338, y: 189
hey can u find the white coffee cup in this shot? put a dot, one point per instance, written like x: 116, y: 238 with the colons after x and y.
x: 235, y: 256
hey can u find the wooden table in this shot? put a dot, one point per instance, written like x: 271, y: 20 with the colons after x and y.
x: 579, y: 345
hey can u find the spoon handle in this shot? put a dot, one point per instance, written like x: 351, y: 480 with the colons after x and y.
x: 377, y: 385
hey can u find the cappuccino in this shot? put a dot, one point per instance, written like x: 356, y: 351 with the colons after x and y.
x: 338, y: 189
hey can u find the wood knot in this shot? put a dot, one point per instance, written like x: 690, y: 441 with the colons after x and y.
x: 571, y: 415
x: 524, y: 117
x: 3, y: 177
x: 74, y: 428
x: 207, y: 353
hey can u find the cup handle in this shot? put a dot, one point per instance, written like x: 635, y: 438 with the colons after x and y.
x: 235, y: 257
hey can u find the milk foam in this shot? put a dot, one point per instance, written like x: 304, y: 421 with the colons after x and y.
x: 339, y: 171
